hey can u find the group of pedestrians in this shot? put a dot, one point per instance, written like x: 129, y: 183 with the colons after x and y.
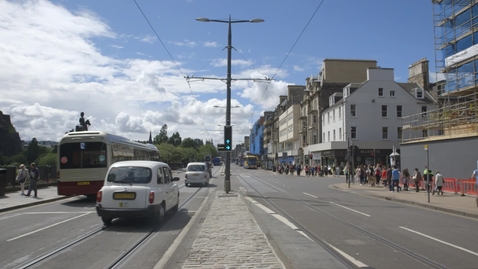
x: 32, y: 176
x: 308, y: 170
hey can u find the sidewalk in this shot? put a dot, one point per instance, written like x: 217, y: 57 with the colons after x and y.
x: 13, y: 200
x: 448, y: 202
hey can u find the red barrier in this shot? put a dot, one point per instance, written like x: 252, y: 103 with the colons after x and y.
x: 451, y: 185
x: 468, y: 186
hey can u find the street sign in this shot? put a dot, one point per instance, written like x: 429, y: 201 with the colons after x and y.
x: 425, y: 147
x: 221, y: 147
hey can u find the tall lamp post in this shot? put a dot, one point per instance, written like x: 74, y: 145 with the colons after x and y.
x: 227, y: 178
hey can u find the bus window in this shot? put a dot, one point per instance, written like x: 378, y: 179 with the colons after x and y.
x: 82, y: 155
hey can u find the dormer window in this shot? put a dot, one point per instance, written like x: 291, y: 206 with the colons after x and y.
x: 419, y: 93
x: 331, y: 100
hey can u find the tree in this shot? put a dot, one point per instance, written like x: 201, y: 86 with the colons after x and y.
x: 175, y: 139
x: 163, y: 135
x: 33, y: 151
x: 47, y: 159
x: 189, y: 143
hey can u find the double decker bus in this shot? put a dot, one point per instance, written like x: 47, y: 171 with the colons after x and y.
x: 84, y: 158
x: 250, y: 161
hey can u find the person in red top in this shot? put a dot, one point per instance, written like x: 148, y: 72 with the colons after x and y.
x: 384, y: 175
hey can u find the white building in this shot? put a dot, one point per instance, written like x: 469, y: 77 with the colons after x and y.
x: 369, y: 115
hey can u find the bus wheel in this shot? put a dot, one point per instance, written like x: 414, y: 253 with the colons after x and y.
x: 106, y: 221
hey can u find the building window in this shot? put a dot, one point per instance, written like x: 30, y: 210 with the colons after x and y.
x: 352, y: 111
x: 334, y: 135
x: 328, y: 136
x: 385, y: 133
x: 399, y: 111
x: 315, y: 138
x: 328, y: 117
x: 314, y: 119
x: 340, y: 113
x: 424, y: 111
x: 392, y: 93
x: 340, y: 134
x: 380, y: 91
x: 353, y: 132
x: 399, y: 133
x: 384, y: 111
x: 419, y: 94
x: 424, y: 133
x: 333, y: 115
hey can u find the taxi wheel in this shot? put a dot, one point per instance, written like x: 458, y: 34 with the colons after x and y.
x: 106, y: 221
x: 160, y: 214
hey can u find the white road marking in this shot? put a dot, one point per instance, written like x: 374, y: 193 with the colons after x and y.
x: 35, y: 213
x: 440, y: 241
x: 265, y: 208
x: 367, y: 215
x: 310, y: 195
x: 285, y: 221
x: 44, y: 228
x: 302, y: 233
x: 356, y: 262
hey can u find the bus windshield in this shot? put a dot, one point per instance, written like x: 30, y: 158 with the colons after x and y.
x: 82, y: 155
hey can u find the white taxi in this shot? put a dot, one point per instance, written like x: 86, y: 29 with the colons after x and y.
x: 137, y: 189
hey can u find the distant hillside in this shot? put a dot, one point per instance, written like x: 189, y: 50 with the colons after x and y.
x: 10, y: 143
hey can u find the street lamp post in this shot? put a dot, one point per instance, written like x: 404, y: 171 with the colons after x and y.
x: 227, y: 178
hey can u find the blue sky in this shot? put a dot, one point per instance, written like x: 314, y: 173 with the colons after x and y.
x: 61, y: 57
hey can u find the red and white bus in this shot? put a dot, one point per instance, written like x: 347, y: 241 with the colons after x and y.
x: 84, y: 159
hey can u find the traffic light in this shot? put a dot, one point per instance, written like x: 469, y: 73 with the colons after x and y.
x: 228, y: 137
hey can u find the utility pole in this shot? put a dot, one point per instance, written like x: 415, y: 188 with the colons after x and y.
x: 227, y: 176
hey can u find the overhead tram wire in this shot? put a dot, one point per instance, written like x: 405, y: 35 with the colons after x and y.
x: 162, y: 43
x: 285, y: 58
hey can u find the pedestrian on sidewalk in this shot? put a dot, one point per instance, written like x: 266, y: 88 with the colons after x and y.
x: 34, y: 176
x: 475, y: 176
x: 417, y: 178
x: 389, y: 178
x: 439, y: 181
x: 395, y: 179
x: 405, y: 179
x: 22, y: 177
x: 384, y: 175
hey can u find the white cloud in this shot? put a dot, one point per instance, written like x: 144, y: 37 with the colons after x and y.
x: 211, y: 44
x: 148, y: 39
x: 50, y: 72
x: 184, y: 43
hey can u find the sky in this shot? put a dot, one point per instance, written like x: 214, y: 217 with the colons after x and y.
x: 128, y: 72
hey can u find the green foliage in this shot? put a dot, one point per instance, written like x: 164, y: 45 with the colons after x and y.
x: 175, y: 139
x: 189, y: 143
x: 190, y: 155
x: 33, y: 151
x: 163, y: 135
x: 207, y: 149
x: 17, y: 159
x: 47, y: 159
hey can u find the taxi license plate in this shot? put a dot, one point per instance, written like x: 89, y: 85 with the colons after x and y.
x: 83, y: 183
x: 124, y: 196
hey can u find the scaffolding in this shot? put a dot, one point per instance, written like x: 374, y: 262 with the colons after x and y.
x: 456, y: 46
x: 454, y: 119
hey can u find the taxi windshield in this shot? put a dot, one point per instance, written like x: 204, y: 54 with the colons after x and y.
x: 196, y: 168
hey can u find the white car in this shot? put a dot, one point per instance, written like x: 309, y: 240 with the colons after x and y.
x: 137, y: 189
x: 197, y: 173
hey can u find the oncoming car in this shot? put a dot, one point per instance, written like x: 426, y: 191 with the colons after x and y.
x: 197, y: 173
x: 137, y: 189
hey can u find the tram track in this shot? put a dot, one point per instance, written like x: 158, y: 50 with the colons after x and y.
x: 116, y: 263
x: 323, y: 243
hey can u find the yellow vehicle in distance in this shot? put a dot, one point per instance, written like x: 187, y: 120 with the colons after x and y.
x: 251, y: 162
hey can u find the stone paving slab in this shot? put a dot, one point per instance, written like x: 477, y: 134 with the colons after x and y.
x: 230, y: 238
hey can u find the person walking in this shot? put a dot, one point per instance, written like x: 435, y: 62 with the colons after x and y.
x: 34, y: 176
x: 389, y: 178
x: 395, y: 179
x: 22, y: 177
x: 417, y: 178
x: 475, y: 176
x: 439, y: 181
x: 405, y: 179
